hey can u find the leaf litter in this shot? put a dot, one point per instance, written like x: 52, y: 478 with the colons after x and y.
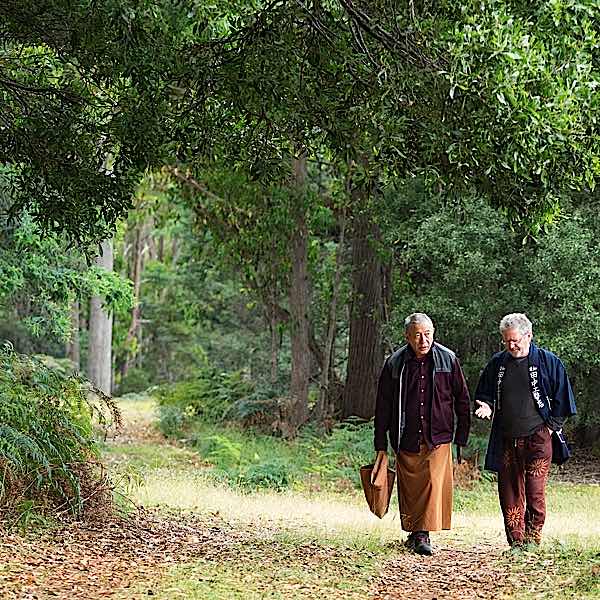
x: 117, y: 557
x: 450, y: 574
x: 85, y: 561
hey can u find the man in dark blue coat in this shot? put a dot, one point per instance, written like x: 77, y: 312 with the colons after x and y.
x: 526, y: 392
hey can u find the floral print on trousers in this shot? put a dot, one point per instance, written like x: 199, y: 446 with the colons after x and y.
x: 522, y: 485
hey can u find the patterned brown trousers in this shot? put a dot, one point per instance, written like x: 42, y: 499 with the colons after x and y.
x: 522, y: 485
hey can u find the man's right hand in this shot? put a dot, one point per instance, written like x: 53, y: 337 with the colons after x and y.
x: 379, y: 459
x: 484, y: 411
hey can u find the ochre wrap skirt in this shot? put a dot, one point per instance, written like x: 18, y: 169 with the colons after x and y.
x: 425, y: 488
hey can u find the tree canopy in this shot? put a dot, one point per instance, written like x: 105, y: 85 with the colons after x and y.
x: 301, y: 145
x: 85, y: 89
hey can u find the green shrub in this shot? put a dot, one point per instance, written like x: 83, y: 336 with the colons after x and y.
x: 247, y: 458
x: 47, y: 450
x: 171, y: 420
x: 340, y: 454
x: 259, y: 408
x: 250, y: 459
x: 222, y: 450
x: 476, y: 448
x: 273, y: 474
x: 136, y: 380
x: 208, y: 398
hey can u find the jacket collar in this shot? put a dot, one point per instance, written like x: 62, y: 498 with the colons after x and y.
x: 442, y: 358
x: 533, y: 358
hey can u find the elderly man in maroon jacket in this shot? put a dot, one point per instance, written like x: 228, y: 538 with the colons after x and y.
x: 422, y: 406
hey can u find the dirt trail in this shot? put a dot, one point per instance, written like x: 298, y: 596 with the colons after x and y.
x: 86, y: 561
x: 450, y: 574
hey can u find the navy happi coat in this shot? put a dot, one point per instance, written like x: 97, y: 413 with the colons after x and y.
x: 550, y: 389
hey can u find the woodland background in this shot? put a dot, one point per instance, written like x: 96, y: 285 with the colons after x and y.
x: 235, y: 204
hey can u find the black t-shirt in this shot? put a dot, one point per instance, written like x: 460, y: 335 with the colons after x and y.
x: 520, y: 416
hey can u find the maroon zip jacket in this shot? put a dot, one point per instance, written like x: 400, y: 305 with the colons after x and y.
x: 450, y: 397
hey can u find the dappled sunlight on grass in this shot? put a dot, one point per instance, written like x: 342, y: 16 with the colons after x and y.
x: 330, y: 516
x: 573, y: 514
x: 142, y: 409
x: 347, y: 517
x: 145, y: 458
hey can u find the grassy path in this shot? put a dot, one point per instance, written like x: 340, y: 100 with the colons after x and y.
x: 195, y: 539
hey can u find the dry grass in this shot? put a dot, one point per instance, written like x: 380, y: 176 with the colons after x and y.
x: 174, y: 480
x: 177, y: 481
x: 574, y: 511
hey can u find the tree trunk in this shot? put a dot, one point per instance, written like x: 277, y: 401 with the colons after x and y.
x: 274, y: 343
x: 73, y: 349
x: 365, y: 352
x: 386, y: 304
x: 326, y: 407
x: 281, y: 315
x: 161, y: 249
x: 99, y: 368
x: 133, y: 334
x: 297, y: 411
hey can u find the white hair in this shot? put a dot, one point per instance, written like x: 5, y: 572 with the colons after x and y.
x: 518, y: 321
x: 415, y: 318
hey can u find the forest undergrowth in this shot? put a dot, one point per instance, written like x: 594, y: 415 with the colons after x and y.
x: 184, y: 532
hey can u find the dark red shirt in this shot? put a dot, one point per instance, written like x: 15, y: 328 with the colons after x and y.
x: 417, y: 383
x: 450, y: 416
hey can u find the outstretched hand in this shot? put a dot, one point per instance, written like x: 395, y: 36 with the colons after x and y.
x: 484, y: 411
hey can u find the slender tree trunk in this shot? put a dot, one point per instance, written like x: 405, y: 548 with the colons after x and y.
x: 139, y: 358
x: 273, y: 310
x: 151, y: 247
x: 326, y: 408
x: 161, y: 249
x: 386, y: 304
x: 100, y: 332
x: 175, y: 251
x: 133, y: 333
x: 274, y: 342
x: 281, y: 315
x: 297, y: 412
x: 73, y: 347
x: 365, y: 353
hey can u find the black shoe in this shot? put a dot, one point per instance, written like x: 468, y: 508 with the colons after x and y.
x: 423, y: 545
x: 418, y: 542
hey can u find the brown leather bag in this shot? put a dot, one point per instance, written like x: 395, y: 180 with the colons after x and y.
x: 378, y: 487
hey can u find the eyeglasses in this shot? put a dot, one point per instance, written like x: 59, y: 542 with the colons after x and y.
x: 517, y: 342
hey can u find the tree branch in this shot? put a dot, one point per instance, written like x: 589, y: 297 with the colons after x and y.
x: 408, y: 49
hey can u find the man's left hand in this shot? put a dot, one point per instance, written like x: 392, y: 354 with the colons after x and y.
x: 458, y: 454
